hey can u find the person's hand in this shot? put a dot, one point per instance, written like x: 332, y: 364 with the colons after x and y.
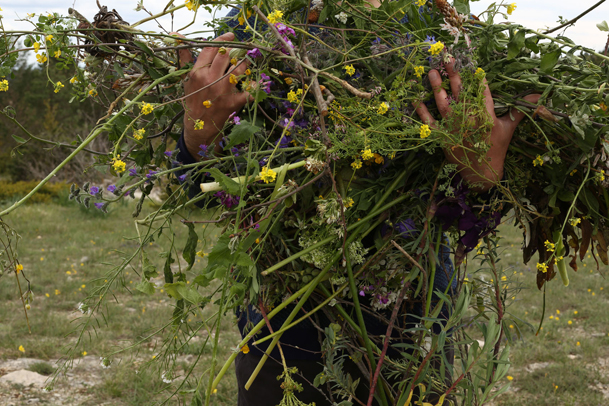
x: 489, y: 171
x: 224, y: 96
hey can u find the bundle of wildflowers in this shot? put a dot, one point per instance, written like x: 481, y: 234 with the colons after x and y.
x: 331, y: 192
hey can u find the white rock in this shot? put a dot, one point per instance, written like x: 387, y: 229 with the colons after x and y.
x: 25, y: 378
x: 536, y: 366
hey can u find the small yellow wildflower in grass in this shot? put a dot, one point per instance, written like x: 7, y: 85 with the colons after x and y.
x: 275, y: 16
x: 257, y: 240
x: 550, y: 246
x: 538, y: 161
x: 19, y: 268
x: 575, y: 221
x: 119, y: 166
x: 207, y: 103
x: 147, y: 108
x: 357, y: 164
x: 199, y: 124
x: 348, y: 202
x: 245, y: 349
x: 367, y: 154
x: 510, y: 8
x: 84, y: 353
x: 57, y: 292
x: 510, y: 378
x: 47, y: 295
x: 542, y: 267
x: 233, y: 79
x: 139, y: 134
x: 504, y: 278
x: 436, y: 48
x: 569, y: 322
x: 288, y: 81
x: 349, y: 70
x: 22, y: 349
x: 42, y: 58
x: 57, y: 53
x: 192, y: 5
x: 557, y: 311
x: 36, y: 46
x: 49, y: 37
x: 267, y: 174
x: 420, y: 3
x: 578, y: 344
x: 424, y: 131
x: 418, y: 71
x: 383, y: 108
x: 58, y: 87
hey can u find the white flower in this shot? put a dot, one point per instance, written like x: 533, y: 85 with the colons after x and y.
x: 83, y: 308
x: 104, y: 362
x: 342, y: 17
x: 165, y: 378
x: 317, y: 5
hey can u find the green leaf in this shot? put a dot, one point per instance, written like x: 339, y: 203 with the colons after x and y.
x: 549, y: 60
x: 145, y: 287
x: 462, y: 6
x: 603, y: 26
x: 143, y: 47
x: 180, y: 290
x: 531, y: 43
x: 515, y: 44
x: 225, y: 182
x: 167, y: 269
x: 241, y: 133
x: 190, y: 248
x: 220, y: 254
x: 19, y: 139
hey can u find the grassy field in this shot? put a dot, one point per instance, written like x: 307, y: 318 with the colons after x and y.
x: 67, y: 250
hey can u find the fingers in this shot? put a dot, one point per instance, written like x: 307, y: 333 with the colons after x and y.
x: 423, y: 113
x: 518, y: 115
x: 488, y: 100
x: 208, y: 54
x: 439, y: 93
x: 454, y: 77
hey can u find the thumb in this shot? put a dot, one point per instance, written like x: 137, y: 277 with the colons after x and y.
x: 518, y: 115
x: 185, y: 56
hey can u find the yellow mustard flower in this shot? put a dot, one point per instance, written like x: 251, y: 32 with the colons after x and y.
x: 349, y: 69
x: 383, y: 108
x: 74, y: 80
x: 367, y: 154
x: 3, y: 85
x: 420, y: 3
x: 424, y: 131
x: 348, y: 202
x: 199, y: 124
x: 357, y: 164
x: 233, y: 79
x: 192, y: 5
x: 550, y: 246
x: 58, y: 87
x: 538, y: 161
x: 147, y: 108
x: 510, y: 8
x: 267, y: 174
x: 139, y: 134
x: 480, y: 72
x: 542, y: 267
x: 436, y: 48
x: 288, y: 81
x: 119, y: 166
x: 418, y: 71
x: 92, y: 92
x: 233, y: 61
x: 275, y: 16
x: 575, y: 221
x: 378, y: 159
x: 248, y: 72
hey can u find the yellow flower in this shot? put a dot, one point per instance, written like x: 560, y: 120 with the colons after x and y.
x: 233, y: 61
x: 245, y: 349
x: 84, y: 353
x: 378, y: 159
x: 288, y: 81
x: 19, y: 268
x: 348, y: 202
x: 57, y: 53
x: 92, y: 92
x: 139, y: 134
x: 577, y: 344
x: 207, y: 103
x: 22, y: 349
x: 275, y: 16
x: 49, y: 37
x: 575, y: 221
x: 510, y: 378
x: 241, y: 20
x: 542, y: 267
x: 248, y: 72
x: 199, y: 124
x: 36, y: 47
x: 436, y: 48
x: 119, y: 166
x: 293, y: 97
x: 192, y: 5
x: 549, y: 246
x: 349, y: 69
x: 47, y: 295
x: 267, y: 174
x: 510, y: 8
x: 57, y: 292
x: 480, y: 72
x: 420, y: 3
x: 603, y: 106
x: 418, y: 71
x: 367, y: 154
x: 424, y: 131
x: 357, y: 164
x: 3, y: 85
x: 538, y: 161
x: 573, y: 172
x: 42, y: 58
x: 233, y: 79
x: 147, y: 108
x: 74, y: 80
x: 383, y: 108
x: 569, y: 322
x: 58, y: 87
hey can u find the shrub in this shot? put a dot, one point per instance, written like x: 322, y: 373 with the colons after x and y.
x: 15, y: 190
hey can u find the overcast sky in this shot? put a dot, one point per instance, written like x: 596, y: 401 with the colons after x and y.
x: 536, y: 14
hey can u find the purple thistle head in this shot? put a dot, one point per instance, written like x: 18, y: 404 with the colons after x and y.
x: 94, y: 190
x: 111, y: 188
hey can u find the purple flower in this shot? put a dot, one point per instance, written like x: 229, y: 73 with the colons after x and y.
x: 168, y: 153
x: 182, y: 177
x: 430, y: 39
x: 264, y: 76
x: 235, y: 151
x: 132, y: 172
x: 284, y: 29
x: 257, y: 227
x: 94, y: 190
x: 284, y: 141
x: 254, y: 53
x: 237, y: 120
x: 203, y: 152
x: 99, y: 205
x: 263, y: 161
x: 226, y: 199
x: 407, y: 228
x: 362, y: 293
x: 111, y: 188
x: 151, y: 174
